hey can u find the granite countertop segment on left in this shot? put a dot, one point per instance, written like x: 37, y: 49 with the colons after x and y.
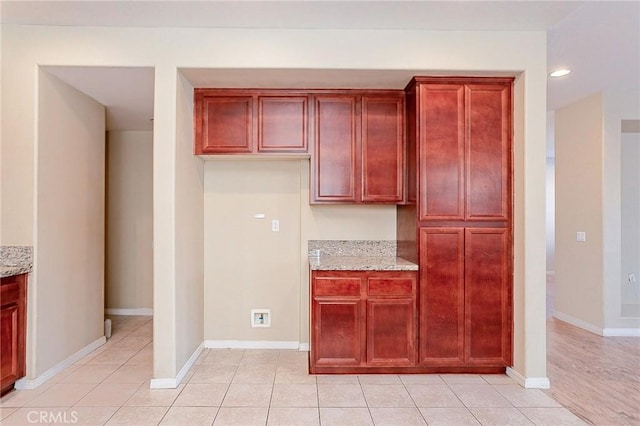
x: 356, y: 255
x: 15, y: 260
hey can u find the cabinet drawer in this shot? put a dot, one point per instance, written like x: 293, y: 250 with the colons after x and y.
x: 338, y: 286
x: 391, y: 286
x: 9, y: 293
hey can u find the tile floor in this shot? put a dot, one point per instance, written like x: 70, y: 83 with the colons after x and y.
x: 257, y: 387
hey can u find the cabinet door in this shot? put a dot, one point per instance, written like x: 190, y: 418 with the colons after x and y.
x: 337, y: 319
x: 383, y: 148
x: 12, y: 330
x: 441, y: 152
x: 488, y: 152
x: 390, y: 331
x: 391, y: 318
x: 282, y: 123
x: 336, y: 145
x: 224, y: 124
x: 338, y: 331
x: 488, y: 304
x: 9, y: 352
x: 441, y: 296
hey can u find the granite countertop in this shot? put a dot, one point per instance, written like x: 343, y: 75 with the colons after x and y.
x: 15, y: 260
x: 356, y: 255
x: 361, y: 263
x: 8, y: 271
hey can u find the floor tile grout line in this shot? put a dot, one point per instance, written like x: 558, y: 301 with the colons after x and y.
x: 459, y: 399
x: 414, y: 401
x: 273, y: 385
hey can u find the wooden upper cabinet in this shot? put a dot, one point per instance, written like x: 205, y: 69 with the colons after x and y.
x: 235, y: 121
x: 464, y: 149
x: 441, y: 151
x: 383, y: 148
x: 282, y: 123
x: 224, y: 123
x: 336, y: 147
x: 359, y: 148
x: 488, y: 151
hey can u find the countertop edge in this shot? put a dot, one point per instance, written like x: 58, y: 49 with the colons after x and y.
x: 361, y: 263
x: 9, y: 271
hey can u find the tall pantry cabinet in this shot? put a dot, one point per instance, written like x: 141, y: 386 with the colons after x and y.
x: 458, y: 223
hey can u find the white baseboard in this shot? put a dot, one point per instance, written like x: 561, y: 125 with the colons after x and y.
x: 172, y: 383
x: 621, y: 332
x: 578, y: 323
x: 251, y: 344
x: 34, y: 383
x: 129, y: 311
x: 605, y: 332
x: 529, y: 382
x: 304, y: 347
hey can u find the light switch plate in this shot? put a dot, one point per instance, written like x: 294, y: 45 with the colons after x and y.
x: 581, y: 236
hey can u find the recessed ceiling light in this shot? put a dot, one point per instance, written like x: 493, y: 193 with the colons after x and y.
x: 559, y: 73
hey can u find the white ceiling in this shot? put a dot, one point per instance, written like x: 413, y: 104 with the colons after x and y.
x: 598, y: 40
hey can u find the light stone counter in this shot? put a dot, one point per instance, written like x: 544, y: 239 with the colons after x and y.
x: 15, y: 260
x: 356, y: 255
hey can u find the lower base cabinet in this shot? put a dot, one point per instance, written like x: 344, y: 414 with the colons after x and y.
x: 362, y: 320
x: 13, y: 294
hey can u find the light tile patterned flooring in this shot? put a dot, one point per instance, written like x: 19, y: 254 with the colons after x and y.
x: 257, y: 387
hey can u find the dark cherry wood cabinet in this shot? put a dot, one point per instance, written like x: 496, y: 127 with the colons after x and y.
x: 459, y: 132
x: 224, y: 122
x: 441, y: 151
x: 466, y: 297
x: 358, y: 136
x: 337, y: 144
x: 13, y: 297
x: 359, y: 148
x: 282, y: 123
x: 338, y: 319
x: 362, y: 320
x: 233, y: 121
x: 391, y: 316
x: 464, y: 149
x: 488, y: 301
x: 442, y: 294
x: 488, y: 152
x: 383, y: 148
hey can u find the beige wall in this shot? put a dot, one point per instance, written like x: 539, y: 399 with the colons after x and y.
x: 578, y: 277
x: 189, y: 243
x: 248, y: 266
x: 66, y: 299
x: 618, y: 105
x: 129, y: 260
x: 630, y: 206
x: 588, y: 198
x: 167, y: 49
x: 551, y: 214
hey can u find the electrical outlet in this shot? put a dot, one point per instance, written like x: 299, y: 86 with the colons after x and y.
x: 275, y: 225
x: 261, y: 318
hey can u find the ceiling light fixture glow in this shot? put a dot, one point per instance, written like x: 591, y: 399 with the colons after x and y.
x: 559, y: 73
